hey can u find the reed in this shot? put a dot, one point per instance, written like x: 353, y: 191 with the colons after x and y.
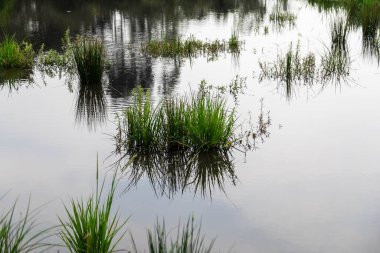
x: 14, y: 54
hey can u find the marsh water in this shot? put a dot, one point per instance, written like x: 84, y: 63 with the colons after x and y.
x: 310, y: 184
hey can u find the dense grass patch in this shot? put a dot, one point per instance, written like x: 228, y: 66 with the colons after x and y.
x: 192, y: 47
x: 281, y: 18
x: 14, y: 54
x: 90, y: 227
x: 199, y: 121
x: 89, y: 59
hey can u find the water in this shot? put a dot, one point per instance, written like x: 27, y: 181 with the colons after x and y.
x: 311, y: 186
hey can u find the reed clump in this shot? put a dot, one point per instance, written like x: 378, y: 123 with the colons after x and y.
x: 199, y: 121
x: 16, y: 55
x: 89, y: 58
x: 192, y: 47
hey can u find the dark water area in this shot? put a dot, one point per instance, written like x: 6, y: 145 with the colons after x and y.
x: 309, y: 181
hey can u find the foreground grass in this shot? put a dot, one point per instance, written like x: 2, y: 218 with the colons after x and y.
x: 192, y: 47
x: 15, y: 55
x: 200, y: 122
x: 17, y: 235
x: 189, y: 240
x: 90, y: 227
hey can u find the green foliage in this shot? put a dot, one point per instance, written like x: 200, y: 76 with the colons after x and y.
x: 14, y: 54
x: 90, y: 227
x: 191, y: 47
x: 199, y: 122
x: 189, y: 240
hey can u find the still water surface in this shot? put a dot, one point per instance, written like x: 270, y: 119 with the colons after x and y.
x: 311, y: 186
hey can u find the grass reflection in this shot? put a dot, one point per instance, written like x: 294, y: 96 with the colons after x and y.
x: 170, y: 173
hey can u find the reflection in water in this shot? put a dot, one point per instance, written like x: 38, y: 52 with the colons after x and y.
x: 13, y: 79
x: 91, y: 105
x: 170, y: 173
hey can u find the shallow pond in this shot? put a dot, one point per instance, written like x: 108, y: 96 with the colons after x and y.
x: 311, y: 184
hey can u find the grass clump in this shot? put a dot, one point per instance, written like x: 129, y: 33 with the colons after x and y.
x: 281, y: 18
x: 335, y: 65
x: 15, y: 55
x: 188, y: 240
x: 16, y: 235
x: 90, y: 227
x: 199, y: 121
x: 192, y: 47
x: 89, y: 59
x: 291, y: 67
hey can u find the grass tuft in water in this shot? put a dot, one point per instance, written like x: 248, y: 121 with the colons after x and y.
x: 199, y: 121
x: 281, y: 18
x: 89, y: 59
x: 291, y: 67
x: 191, y: 47
x: 90, y: 227
x: 188, y: 240
x: 14, y: 54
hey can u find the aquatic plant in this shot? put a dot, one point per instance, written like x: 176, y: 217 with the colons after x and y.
x: 90, y: 227
x: 17, y: 234
x: 290, y: 67
x: 335, y: 65
x: 234, y: 44
x: 191, y: 47
x: 199, y: 121
x: 281, y: 18
x: 89, y: 58
x: 188, y: 240
x: 14, y: 54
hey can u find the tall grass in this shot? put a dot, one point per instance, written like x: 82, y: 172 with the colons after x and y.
x: 89, y: 59
x: 17, y: 234
x: 90, y: 227
x: 14, y: 54
x: 199, y: 121
x: 188, y: 240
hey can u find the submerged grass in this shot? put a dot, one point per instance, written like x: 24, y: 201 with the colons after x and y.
x: 188, y: 240
x: 90, y: 227
x: 14, y: 54
x: 192, y: 47
x: 199, y: 121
